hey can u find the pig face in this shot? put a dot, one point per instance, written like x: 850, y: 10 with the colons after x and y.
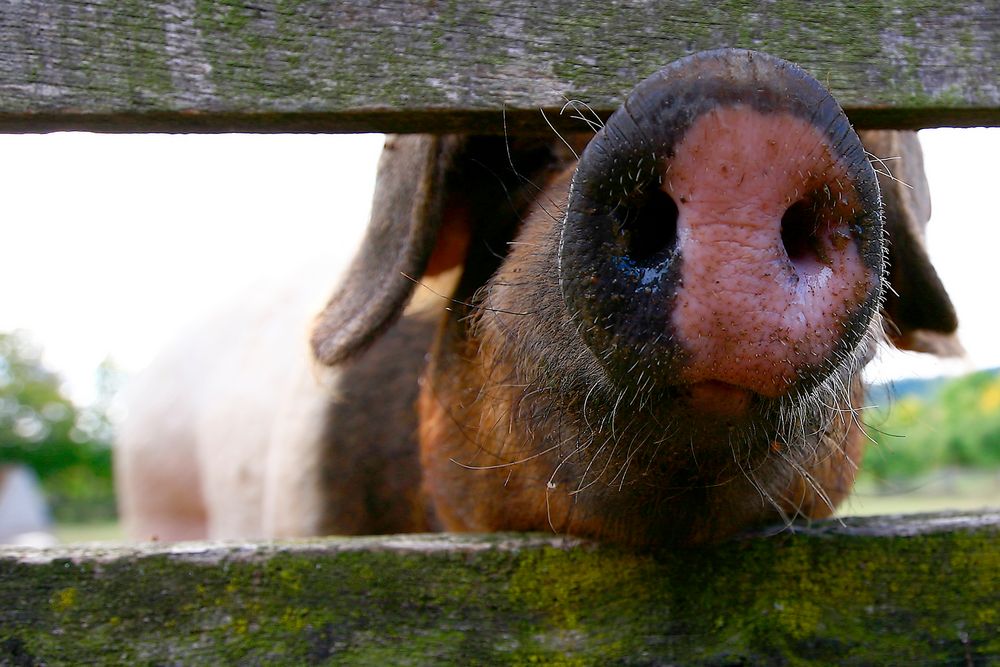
x: 661, y: 341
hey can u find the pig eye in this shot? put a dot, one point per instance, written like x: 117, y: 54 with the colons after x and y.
x: 649, y: 228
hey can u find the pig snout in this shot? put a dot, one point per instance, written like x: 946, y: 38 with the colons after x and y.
x: 723, y: 237
x: 673, y: 354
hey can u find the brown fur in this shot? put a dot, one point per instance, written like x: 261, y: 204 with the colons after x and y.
x: 492, y: 430
x: 371, y: 472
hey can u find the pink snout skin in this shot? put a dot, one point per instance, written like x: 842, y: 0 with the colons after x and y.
x: 770, y: 275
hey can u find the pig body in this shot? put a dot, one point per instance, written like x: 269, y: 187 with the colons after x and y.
x: 657, y: 343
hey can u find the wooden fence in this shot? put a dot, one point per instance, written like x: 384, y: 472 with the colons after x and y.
x: 875, y: 591
x: 409, y: 66
x: 914, y: 590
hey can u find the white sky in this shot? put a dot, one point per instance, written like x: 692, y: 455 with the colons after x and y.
x: 112, y: 243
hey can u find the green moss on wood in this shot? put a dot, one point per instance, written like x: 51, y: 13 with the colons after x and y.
x: 827, y: 594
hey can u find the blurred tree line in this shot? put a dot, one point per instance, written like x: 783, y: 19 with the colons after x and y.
x: 955, y: 425
x: 68, y: 446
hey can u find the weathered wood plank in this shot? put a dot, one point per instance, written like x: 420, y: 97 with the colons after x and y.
x: 914, y: 590
x: 406, y: 65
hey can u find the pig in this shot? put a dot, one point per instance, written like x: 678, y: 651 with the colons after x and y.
x: 652, y: 335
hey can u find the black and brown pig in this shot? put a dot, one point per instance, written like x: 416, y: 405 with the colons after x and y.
x: 657, y: 342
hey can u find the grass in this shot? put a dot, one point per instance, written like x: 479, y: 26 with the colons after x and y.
x: 75, y: 533
x: 947, y: 489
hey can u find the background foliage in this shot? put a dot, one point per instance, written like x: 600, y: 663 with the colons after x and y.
x: 68, y: 447
x: 923, y: 426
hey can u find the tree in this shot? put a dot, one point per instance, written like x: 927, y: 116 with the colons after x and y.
x: 956, y: 425
x: 68, y: 447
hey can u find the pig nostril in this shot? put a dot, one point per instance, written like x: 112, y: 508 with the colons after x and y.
x: 650, y: 229
x: 799, y: 234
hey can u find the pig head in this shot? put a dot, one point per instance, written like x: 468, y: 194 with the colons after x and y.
x: 657, y: 342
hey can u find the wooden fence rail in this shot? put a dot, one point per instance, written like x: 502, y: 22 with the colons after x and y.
x: 409, y: 65
x: 914, y: 590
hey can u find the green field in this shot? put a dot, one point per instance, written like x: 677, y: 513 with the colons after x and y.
x: 941, y: 490
x: 104, y: 531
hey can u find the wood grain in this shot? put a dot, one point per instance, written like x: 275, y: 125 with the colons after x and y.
x: 404, y: 65
x: 911, y: 590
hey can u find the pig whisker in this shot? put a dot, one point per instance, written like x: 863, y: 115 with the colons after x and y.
x: 810, y: 481
x: 629, y: 456
x: 694, y: 454
x: 534, y: 392
x: 558, y: 215
x: 623, y: 472
x: 839, y: 446
x: 582, y: 445
x: 817, y: 489
x: 556, y: 132
x: 882, y: 432
x: 586, y: 398
x: 614, y: 412
x: 548, y: 508
x: 459, y: 302
x: 636, y: 435
x: 607, y: 462
x: 506, y: 464
x: 595, y: 124
x: 655, y: 452
x: 543, y: 205
x: 516, y: 385
x: 765, y: 496
x: 856, y: 419
x: 611, y: 458
x: 583, y: 485
x: 880, y: 166
x: 510, y: 161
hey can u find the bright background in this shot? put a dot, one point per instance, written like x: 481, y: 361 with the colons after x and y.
x: 112, y: 243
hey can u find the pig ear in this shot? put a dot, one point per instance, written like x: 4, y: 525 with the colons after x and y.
x: 918, y: 313
x: 401, y: 235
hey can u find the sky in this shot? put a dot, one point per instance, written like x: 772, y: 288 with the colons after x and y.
x: 112, y: 244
